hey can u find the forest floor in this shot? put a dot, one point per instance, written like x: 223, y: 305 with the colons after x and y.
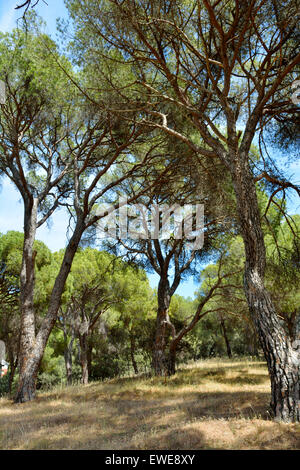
x: 211, y: 404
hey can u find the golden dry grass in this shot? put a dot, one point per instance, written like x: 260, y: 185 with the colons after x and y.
x: 213, y: 404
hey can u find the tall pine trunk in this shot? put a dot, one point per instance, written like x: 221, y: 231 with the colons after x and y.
x: 27, y: 282
x: 282, y: 359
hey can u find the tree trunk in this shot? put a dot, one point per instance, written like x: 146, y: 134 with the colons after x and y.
x: 68, y: 361
x: 27, y: 281
x: 296, y: 334
x: 89, y: 356
x: 282, y: 359
x: 132, y: 351
x: 172, y: 360
x: 83, y: 341
x: 27, y: 380
x: 228, y: 348
x: 32, y: 347
x: 68, y: 364
x: 159, y: 359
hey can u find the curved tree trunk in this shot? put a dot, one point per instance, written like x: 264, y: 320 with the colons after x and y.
x: 282, y: 359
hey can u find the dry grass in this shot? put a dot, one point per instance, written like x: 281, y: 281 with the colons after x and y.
x: 212, y: 404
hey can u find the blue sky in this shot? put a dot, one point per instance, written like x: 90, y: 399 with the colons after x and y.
x: 49, y: 12
x: 11, y: 209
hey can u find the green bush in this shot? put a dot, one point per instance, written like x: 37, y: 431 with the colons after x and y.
x: 107, y: 367
x: 52, y: 373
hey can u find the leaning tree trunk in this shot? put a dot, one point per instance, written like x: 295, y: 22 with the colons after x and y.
x: 32, y: 346
x: 159, y: 359
x: 282, y: 358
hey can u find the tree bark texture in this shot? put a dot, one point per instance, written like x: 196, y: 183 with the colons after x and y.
x: 282, y: 358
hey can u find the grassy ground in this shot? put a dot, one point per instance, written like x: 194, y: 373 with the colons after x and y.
x: 213, y: 404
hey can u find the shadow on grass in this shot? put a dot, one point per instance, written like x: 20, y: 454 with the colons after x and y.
x: 251, y: 379
x: 218, y: 375
x: 133, y: 424
x: 153, y: 387
x: 153, y: 413
x: 219, y: 405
